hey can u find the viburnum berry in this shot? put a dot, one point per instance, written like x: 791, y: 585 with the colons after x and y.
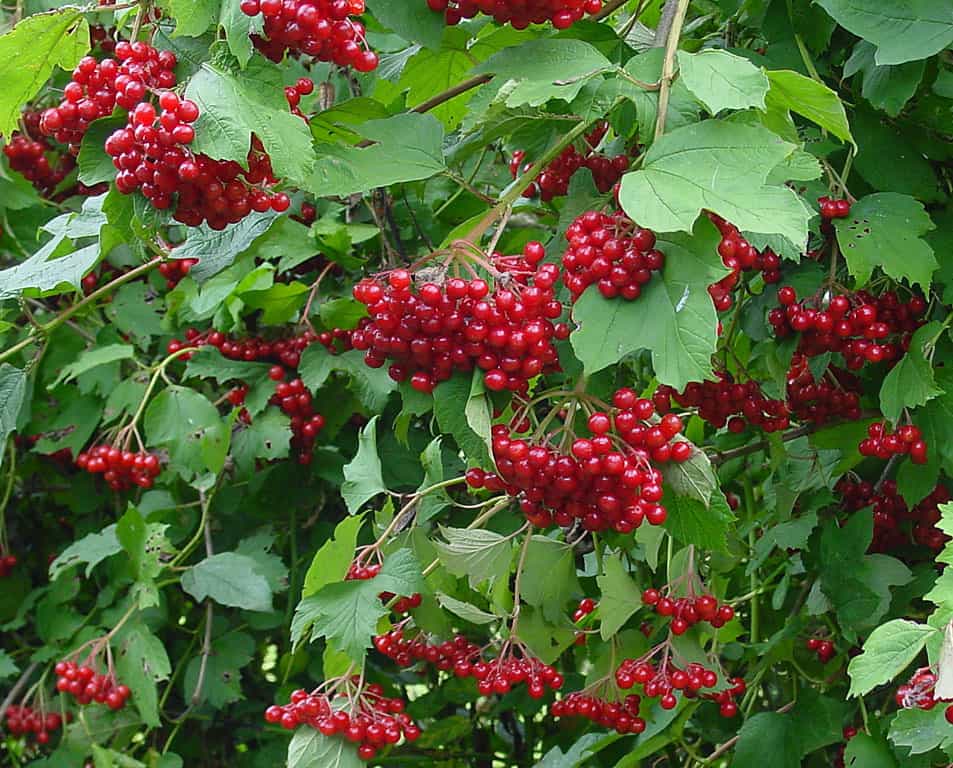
x: 553, y: 180
x: 833, y: 209
x: 321, y: 29
x: 896, y: 526
x: 824, y: 649
x: 175, y: 270
x: 427, y: 332
x: 606, y: 482
x: 612, y: 252
x: 664, y: 680
x: 32, y: 722
x: 726, y: 402
x: 740, y: 256
x: 622, y: 717
x: 686, y: 612
x: 453, y: 655
x: 863, y: 328
x: 918, y: 692
x: 86, y: 685
x: 519, y: 13
x: 8, y: 562
x: 906, y: 441
x: 121, y: 469
x: 836, y: 394
x: 360, y: 714
x: 97, y: 87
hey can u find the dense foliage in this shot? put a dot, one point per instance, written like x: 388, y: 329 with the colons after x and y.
x: 476, y: 383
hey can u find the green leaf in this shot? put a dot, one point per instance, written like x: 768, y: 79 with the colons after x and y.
x: 549, y: 576
x: 411, y: 20
x: 458, y: 422
x: 477, y: 554
x: 811, y: 99
x: 902, y: 30
x: 430, y: 72
x: 93, y: 358
x: 767, y: 733
x: 910, y: 383
x: 373, y: 386
x: 887, y: 652
x: 309, y: 748
x: 921, y: 730
x: 364, y: 475
x: 144, y: 543
x: 620, y: 596
x: 721, y: 80
x: 331, y: 562
x: 7, y: 666
x: 258, y: 548
x: 136, y: 311
x: 223, y: 677
x: 217, y: 250
x: 464, y: 610
x: 95, y: 166
x: 92, y: 549
x: 229, y: 579
x: 13, y: 383
x: 192, y: 17
x: 716, y: 166
x: 141, y: 663
x: 48, y: 269
x: 233, y: 106
x: 560, y: 69
x: 189, y: 427
x: 346, y: 613
x: 692, y: 522
x: 545, y: 640
x: 406, y: 147
x: 31, y: 52
x: 674, y: 314
x: 865, y: 751
x: 279, y: 303
x: 556, y: 758
x: 694, y: 478
x: 886, y: 230
x: 268, y: 437
x: 434, y: 502
x: 886, y: 87
x: 238, y: 29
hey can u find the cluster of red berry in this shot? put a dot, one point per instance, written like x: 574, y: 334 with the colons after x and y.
x: 321, y: 29
x: 835, y: 395
x: 662, y: 681
x: 28, y: 157
x: 611, y: 251
x: 7, y: 563
x: 32, y: 723
x: 919, y: 693
x: 428, y: 332
x: 152, y: 155
x: 906, y: 441
x: 823, y: 648
x: 105, y: 39
x: 862, y: 327
x: 586, y: 606
x: 453, y: 655
x: 725, y: 700
x: 606, y: 482
x: 294, y: 399
x: 740, y: 256
x: 727, y: 402
x: 282, y: 352
x: 85, y: 685
x: 686, y: 612
x: 293, y: 93
x: 833, y: 209
x: 175, y: 270
x: 368, y: 719
x: 621, y: 717
x: 894, y: 522
x: 562, y: 14
x: 553, y: 180
x: 499, y: 675
x: 97, y: 87
x: 121, y: 469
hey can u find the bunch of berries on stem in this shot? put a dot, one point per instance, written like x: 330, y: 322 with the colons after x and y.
x: 726, y: 402
x: 562, y: 14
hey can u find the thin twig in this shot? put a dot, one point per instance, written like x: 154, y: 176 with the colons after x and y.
x: 452, y: 93
x: 722, y: 456
x: 668, y: 66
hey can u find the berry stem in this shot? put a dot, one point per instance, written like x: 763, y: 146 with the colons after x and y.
x: 524, y: 551
x: 7, y: 493
x: 753, y: 583
x: 668, y: 66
